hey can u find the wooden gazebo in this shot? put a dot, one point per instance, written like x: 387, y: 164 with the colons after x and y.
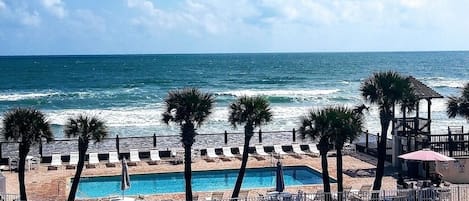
x: 414, y: 132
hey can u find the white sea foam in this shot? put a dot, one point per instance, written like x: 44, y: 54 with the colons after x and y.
x: 444, y: 82
x: 280, y: 93
x: 25, y: 96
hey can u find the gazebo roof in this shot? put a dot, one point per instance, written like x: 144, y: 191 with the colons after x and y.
x: 423, y: 91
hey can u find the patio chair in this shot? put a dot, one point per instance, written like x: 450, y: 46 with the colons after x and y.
x: 365, y: 191
x: 297, y: 149
x: 113, y: 159
x: 93, y: 160
x: 154, y: 157
x: 73, y: 160
x: 227, y: 152
x: 211, y: 155
x: 217, y: 196
x: 278, y: 150
x: 313, y: 150
x: 56, y: 161
x: 12, y: 163
x: 134, y: 157
x: 260, y: 150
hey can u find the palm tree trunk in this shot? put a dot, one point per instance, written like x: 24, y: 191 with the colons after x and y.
x: 23, y: 152
x: 188, y: 171
x: 81, y: 163
x: 242, y: 170
x: 381, y: 152
x: 340, y: 179
x: 325, y: 172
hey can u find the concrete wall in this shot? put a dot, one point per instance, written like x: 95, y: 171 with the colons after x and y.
x: 454, y: 171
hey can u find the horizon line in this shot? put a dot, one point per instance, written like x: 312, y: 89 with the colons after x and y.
x: 220, y: 53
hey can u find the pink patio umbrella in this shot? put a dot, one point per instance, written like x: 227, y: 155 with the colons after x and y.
x: 425, y: 155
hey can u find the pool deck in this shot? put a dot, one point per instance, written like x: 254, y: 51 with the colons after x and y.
x: 43, y: 184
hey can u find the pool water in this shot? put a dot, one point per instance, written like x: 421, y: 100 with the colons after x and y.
x: 213, y: 180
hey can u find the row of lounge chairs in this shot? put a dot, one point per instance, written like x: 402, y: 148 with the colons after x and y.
x: 260, y: 152
x: 211, y: 154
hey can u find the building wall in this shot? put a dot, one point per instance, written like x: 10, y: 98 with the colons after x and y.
x: 454, y: 171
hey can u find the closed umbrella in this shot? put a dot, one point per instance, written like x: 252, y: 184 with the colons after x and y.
x: 280, y: 183
x: 125, y: 180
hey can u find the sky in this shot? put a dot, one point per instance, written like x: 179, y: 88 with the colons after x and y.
x: 43, y: 27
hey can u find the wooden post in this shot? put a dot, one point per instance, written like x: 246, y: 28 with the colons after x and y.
x: 117, y: 144
x: 260, y: 136
x: 450, y: 144
x: 294, y: 135
x: 366, y: 140
x: 154, y: 140
x: 40, y: 147
x: 226, y: 137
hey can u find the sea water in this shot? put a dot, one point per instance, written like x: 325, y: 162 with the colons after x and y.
x: 127, y: 91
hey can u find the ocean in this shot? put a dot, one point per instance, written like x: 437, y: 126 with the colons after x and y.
x: 127, y: 91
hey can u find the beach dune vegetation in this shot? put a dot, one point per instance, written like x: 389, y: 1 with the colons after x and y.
x: 189, y: 108
x: 251, y: 112
x: 386, y: 89
x: 26, y: 126
x: 459, y: 106
x: 86, y: 129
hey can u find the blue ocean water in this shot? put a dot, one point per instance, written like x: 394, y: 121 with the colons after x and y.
x: 127, y: 91
x: 214, y: 180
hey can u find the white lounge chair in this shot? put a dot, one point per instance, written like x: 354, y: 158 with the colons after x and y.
x: 93, y: 160
x: 211, y: 154
x: 73, y: 158
x: 297, y: 149
x: 56, y: 161
x: 313, y: 149
x: 260, y: 150
x: 154, y: 157
x: 227, y: 152
x: 113, y: 159
x: 134, y: 155
x: 278, y: 150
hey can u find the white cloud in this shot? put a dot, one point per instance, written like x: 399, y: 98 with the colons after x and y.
x: 2, y: 5
x: 56, y: 7
x: 29, y: 19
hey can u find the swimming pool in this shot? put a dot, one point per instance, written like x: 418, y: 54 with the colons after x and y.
x: 213, y: 180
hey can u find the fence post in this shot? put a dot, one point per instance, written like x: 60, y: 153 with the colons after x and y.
x: 294, y: 135
x: 117, y: 145
x: 226, y: 137
x: 154, y: 140
x: 366, y: 140
x: 260, y: 136
x: 40, y: 147
x: 450, y: 144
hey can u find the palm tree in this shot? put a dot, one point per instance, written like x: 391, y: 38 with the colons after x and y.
x: 459, y: 106
x: 86, y: 128
x: 346, y: 126
x: 250, y: 112
x: 317, y: 125
x: 26, y: 126
x: 386, y: 89
x: 189, y: 108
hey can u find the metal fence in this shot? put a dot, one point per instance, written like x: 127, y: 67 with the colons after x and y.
x: 9, y: 197
x: 456, y: 193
